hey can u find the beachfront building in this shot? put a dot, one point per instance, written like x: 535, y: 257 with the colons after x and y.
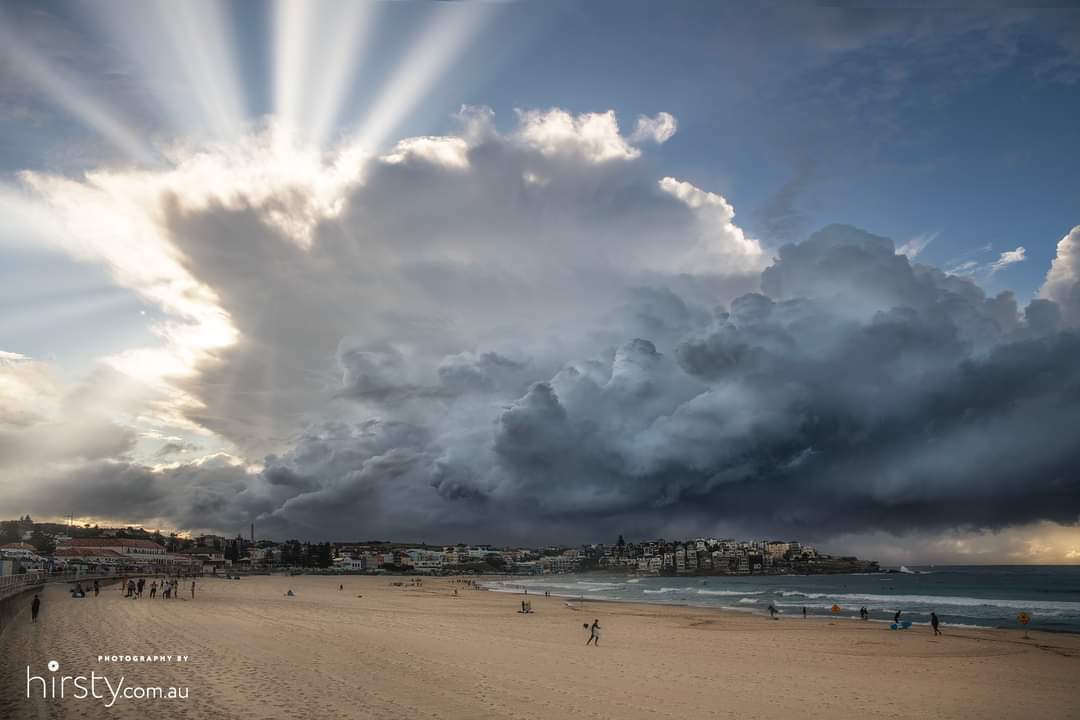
x: 18, y: 551
x: 90, y: 557
x: 560, y: 564
x: 132, y: 551
x: 20, y: 556
x: 349, y: 564
x: 211, y: 560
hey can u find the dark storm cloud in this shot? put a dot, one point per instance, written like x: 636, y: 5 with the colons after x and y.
x: 866, y: 394
x: 857, y: 393
x: 529, y: 337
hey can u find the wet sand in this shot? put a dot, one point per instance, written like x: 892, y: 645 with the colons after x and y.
x: 404, y: 652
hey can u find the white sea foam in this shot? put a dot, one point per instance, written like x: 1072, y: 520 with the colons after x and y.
x: 893, y: 601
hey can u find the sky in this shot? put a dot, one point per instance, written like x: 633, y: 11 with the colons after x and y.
x: 519, y: 272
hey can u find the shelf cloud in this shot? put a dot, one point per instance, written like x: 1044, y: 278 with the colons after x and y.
x: 498, y: 334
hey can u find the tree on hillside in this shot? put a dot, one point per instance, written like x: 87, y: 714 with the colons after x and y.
x: 44, y: 544
x: 326, y: 555
x: 9, y: 532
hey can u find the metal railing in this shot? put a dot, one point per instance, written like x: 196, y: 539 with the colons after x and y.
x: 12, y: 584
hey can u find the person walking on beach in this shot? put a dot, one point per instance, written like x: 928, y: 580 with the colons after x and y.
x: 772, y: 611
x: 594, y: 633
x: 153, y: 590
x: 803, y: 612
x: 192, y: 589
x: 35, y: 607
x: 97, y: 588
x: 896, y: 617
x: 934, y: 623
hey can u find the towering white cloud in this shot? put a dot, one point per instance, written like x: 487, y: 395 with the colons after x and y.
x: 1063, y: 281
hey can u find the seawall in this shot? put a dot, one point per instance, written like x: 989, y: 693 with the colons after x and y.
x: 15, y: 604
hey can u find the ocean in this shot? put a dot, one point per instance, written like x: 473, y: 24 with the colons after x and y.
x: 973, y: 596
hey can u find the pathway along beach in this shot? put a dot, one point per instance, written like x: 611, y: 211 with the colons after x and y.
x: 405, y: 652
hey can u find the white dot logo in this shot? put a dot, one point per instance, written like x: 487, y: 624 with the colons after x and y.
x: 53, y: 666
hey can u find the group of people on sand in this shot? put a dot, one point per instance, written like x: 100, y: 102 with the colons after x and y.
x: 169, y: 588
x: 864, y: 614
x: 78, y: 591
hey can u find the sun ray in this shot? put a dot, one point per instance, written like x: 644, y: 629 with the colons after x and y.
x: 343, y: 31
x: 291, y: 32
x: 62, y: 309
x: 66, y: 93
x: 449, y: 31
x: 185, y: 59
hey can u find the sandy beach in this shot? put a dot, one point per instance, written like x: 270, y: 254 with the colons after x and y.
x: 374, y: 650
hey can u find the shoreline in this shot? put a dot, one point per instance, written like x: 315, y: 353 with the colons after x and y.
x: 755, y: 612
x: 948, y: 603
x: 375, y: 650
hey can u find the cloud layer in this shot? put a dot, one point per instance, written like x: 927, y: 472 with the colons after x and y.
x: 531, y: 335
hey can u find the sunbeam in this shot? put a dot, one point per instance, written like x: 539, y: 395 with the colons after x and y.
x: 185, y: 58
x: 65, y: 92
x: 344, y: 28
x: 45, y: 313
x: 448, y: 32
x: 316, y: 52
x: 291, y: 34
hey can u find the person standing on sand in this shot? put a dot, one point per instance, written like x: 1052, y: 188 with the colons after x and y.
x: 97, y: 588
x: 896, y: 617
x: 153, y: 590
x: 192, y: 589
x: 35, y: 607
x: 934, y: 623
x: 594, y: 633
x: 804, y: 612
